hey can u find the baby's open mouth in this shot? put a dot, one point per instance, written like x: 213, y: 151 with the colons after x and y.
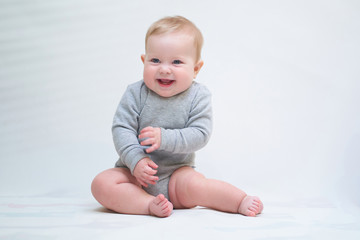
x: 165, y: 82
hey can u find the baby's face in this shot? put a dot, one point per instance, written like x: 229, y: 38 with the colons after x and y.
x: 169, y: 63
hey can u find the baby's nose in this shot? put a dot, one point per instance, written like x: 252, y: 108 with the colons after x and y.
x: 165, y: 69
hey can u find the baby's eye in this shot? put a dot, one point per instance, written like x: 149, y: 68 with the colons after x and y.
x: 155, y: 60
x: 177, y: 62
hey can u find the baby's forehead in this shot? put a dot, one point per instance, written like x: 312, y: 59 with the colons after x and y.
x: 177, y: 33
x: 181, y: 36
x: 174, y: 34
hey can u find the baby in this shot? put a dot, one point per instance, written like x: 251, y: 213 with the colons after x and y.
x: 159, y: 124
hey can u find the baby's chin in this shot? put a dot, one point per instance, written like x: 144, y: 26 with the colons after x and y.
x: 167, y: 93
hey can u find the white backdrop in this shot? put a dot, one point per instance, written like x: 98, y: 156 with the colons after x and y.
x: 284, y: 75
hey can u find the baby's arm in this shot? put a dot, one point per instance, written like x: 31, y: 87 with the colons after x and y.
x: 189, y: 139
x: 197, y: 130
x: 125, y: 127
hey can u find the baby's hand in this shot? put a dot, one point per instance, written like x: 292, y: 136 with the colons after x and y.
x: 151, y: 136
x: 144, y: 172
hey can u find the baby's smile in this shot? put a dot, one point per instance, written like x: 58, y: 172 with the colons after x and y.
x: 165, y: 82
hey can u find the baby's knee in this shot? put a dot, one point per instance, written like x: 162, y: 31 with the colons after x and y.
x: 105, y: 182
x: 102, y: 182
x: 98, y: 184
x: 195, y: 183
x: 186, y: 183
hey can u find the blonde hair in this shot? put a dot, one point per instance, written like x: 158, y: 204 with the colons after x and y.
x: 176, y: 24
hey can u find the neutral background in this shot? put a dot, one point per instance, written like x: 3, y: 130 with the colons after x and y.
x: 284, y: 75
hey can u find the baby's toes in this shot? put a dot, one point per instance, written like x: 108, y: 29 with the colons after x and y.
x: 250, y: 213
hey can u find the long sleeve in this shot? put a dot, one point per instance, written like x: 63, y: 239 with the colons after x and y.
x: 198, y: 128
x: 125, y: 128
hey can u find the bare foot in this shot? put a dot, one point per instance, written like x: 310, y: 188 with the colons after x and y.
x: 160, y: 206
x: 250, y: 206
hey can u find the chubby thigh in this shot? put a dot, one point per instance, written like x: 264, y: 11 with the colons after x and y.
x: 104, y: 183
x: 185, y: 183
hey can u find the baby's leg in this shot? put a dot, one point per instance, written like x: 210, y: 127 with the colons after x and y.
x: 118, y: 190
x: 188, y: 188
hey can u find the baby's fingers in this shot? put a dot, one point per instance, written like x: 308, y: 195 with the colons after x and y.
x: 147, y: 141
x: 152, y: 148
x: 150, y: 171
x: 152, y: 180
x: 142, y: 182
x: 152, y: 164
x: 148, y: 180
x: 145, y: 129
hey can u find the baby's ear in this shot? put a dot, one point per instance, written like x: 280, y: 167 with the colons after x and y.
x: 143, y: 58
x: 197, y: 68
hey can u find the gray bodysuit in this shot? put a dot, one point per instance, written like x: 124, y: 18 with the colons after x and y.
x: 185, y: 121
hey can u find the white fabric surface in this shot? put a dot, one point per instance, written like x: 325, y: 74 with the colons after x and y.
x: 83, y: 218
